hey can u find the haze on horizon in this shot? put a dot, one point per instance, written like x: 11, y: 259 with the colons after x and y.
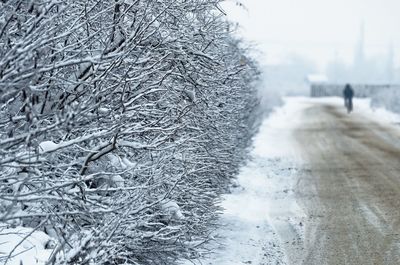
x: 319, y: 31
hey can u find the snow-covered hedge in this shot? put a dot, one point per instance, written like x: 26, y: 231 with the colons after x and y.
x: 120, y: 122
x: 388, y: 98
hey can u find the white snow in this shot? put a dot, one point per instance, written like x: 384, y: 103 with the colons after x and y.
x: 172, y: 209
x: 263, y: 195
x: 363, y: 106
x: 27, y: 246
x: 263, y: 201
x: 275, y: 136
x: 118, y: 181
x: 47, y: 146
x: 127, y: 164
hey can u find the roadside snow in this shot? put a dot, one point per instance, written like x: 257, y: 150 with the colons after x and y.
x: 275, y: 139
x: 379, y: 114
x: 23, y: 245
x: 263, y: 192
x: 362, y: 106
x: 263, y: 196
x: 262, y: 200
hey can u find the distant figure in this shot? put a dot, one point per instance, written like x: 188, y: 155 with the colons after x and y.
x: 348, y: 94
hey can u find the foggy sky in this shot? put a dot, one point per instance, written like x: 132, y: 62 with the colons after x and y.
x: 318, y: 29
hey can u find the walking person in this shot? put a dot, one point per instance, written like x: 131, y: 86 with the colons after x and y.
x: 348, y: 94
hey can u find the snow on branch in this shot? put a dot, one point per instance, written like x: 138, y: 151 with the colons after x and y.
x: 121, y: 123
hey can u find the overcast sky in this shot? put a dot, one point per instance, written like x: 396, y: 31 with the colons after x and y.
x: 318, y: 29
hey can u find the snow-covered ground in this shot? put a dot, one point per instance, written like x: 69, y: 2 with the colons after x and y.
x: 23, y: 246
x: 363, y: 106
x: 263, y: 199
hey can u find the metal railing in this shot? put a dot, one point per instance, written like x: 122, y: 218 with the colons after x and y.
x: 360, y: 90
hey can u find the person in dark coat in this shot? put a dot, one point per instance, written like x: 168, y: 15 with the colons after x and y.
x: 348, y: 94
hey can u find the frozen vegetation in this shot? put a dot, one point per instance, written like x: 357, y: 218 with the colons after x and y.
x: 388, y: 98
x: 120, y: 125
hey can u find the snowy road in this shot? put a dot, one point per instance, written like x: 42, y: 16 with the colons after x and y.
x: 321, y: 188
x: 349, y: 188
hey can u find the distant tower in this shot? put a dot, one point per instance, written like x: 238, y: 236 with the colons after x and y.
x: 335, y: 66
x: 359, y: 56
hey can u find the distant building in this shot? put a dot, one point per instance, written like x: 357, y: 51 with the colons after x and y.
x: 317, y: 79
x: 317, y: 82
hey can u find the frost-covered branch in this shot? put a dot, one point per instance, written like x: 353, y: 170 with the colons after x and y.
x: 120, y: 124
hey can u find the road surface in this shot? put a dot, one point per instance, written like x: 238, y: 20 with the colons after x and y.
x: 348, y: 188
x: 321, y: 188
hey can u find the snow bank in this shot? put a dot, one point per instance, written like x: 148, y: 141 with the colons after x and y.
x: 275, y: 138
x: 22, y: 245
x: 47, y: 146
x: 263, y: 200
x: 172, y: 209
x: 379, y: 114
x: 248, y: 230
x: 388, y: 98
x: 263, y: 194
x: 362, y: 106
